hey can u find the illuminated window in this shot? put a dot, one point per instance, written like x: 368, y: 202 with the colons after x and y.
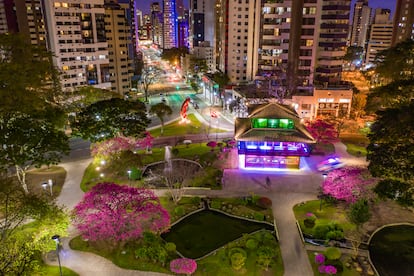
x: 65, y: 68
x: 272, y: 123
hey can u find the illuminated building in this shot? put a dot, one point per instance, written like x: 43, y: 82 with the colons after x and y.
x: 271, y: 137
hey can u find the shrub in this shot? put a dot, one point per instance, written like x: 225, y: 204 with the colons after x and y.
x: 264, y: 202
x: 179, y: 211
x: 196, y: 200
x: 135, y: 174
x: 251, y: 244
x: 266, y: 236
x: 175, y: 151
x: 320, y: 258
x: 237, y: 257
x: 309, y: 221
x: 215, y: 204
x: 333, y: 253
x: 359, y: 212
x: 337, y: 264
x: 259, y: 216
x: 170, y: 247
x: 328, y: 231
x: 265, y: 256
x: 183, y: 266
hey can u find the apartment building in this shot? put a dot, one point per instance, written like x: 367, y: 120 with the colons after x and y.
x: 157, y: 23
x: 380, y: 37
x: 118, y: 36
x: 403, y: 21
x: 169, y: 25
x: 76, y: 34
x: 361, y: 21
x: 333, y: 33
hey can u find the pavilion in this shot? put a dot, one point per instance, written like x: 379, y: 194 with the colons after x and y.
x: 271, y: 137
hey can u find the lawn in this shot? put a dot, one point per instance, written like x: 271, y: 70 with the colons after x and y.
x: 207, y: 230
x: 177, y: 128
x: 356, y: 144
x: 116, y: 170
x: 328, y: 213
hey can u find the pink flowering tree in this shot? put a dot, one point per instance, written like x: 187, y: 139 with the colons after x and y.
x: 183, y: 266
x: 322, y: 131
x: 114, y: 146
x: 348, y: 184
x: 113, y: 215
x: 146, y: 142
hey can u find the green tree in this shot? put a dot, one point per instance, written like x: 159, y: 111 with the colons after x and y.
x: 161, y: 110
x: 353, y: 53
x: 22, y: 243
x: 109, y: 118
x: 395, y: 189
x: 173, y: 55
x: 391, y: 149
x: 359, y: 212
x: 197, y: 66
x: 221, y: 79
x: 28, y: 142
x: 29, y: 82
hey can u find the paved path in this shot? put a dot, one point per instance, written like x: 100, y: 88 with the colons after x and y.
x: 286, y: 189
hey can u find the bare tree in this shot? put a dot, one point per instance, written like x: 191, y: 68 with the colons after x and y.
x: 355, y: 237
x: 177, y: 175
x: 148, y: 77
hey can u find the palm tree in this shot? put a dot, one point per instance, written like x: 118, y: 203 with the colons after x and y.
x: 160, y: 110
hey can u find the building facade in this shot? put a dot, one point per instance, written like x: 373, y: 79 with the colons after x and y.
x: 380, y: 37
x: 403, y: 21
x: 120, y: 43
x: 169, y: 24
x: 333, y: 34
x: 361, y: 21
x: 271, y: 137
x: 76, y: 34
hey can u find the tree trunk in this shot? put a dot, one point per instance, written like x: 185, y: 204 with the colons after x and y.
x: 21, y: 177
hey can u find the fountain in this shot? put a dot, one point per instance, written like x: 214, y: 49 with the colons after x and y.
x: 167, y: 158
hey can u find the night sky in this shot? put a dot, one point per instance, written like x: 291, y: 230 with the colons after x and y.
x: 144, y: 5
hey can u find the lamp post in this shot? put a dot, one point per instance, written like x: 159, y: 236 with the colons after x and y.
x: 56, y: 238
x: 129, y: 175
x: 50, y: 184
x: 324, y: 175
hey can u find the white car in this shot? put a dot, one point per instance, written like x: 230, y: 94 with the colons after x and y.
x: 330, y: 164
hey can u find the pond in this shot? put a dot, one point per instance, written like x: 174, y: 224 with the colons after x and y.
x: 392, y: 250
x: 207, y: 230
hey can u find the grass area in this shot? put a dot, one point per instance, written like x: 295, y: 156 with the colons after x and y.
x: 185, y: 206
x: 197, y: 235
x: 35, y: 178
x: 356, y: 144
x: 328, y: 213
x: 54, y: 271
x: 219, y: 263
x: 180, y: 129
x: 124, y: 258
x: 115, y: 170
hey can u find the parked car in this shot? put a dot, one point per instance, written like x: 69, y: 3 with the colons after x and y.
x: 330, y: 164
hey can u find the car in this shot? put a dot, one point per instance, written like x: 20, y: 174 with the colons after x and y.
x: 330, y: 164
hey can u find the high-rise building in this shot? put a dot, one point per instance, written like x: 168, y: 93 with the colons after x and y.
x: 380, y: 35
x: 156, y: 24
x: 360, y: 23
x: 118, y: 34
x: 183, y: 30
x: 169, y: 24
x: 77, y: 37
x: 333, y: 33
x: 202, y: 19
x: 403, y: 21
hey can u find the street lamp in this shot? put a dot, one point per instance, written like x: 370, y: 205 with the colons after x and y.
x: 321, y: 195
x: 56, y: 238
x: 50, y: 184
x: 129, y: 174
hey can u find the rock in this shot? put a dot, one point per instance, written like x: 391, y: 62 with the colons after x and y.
x: 359, y: 269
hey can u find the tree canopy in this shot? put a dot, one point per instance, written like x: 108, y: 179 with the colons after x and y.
x: 29, y: 82
x: 391, y: 147
x: 110, y: 118
x: 172, y: 55
x: 115, y: 214
x: 27, y: 142
x: 161, y: 110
